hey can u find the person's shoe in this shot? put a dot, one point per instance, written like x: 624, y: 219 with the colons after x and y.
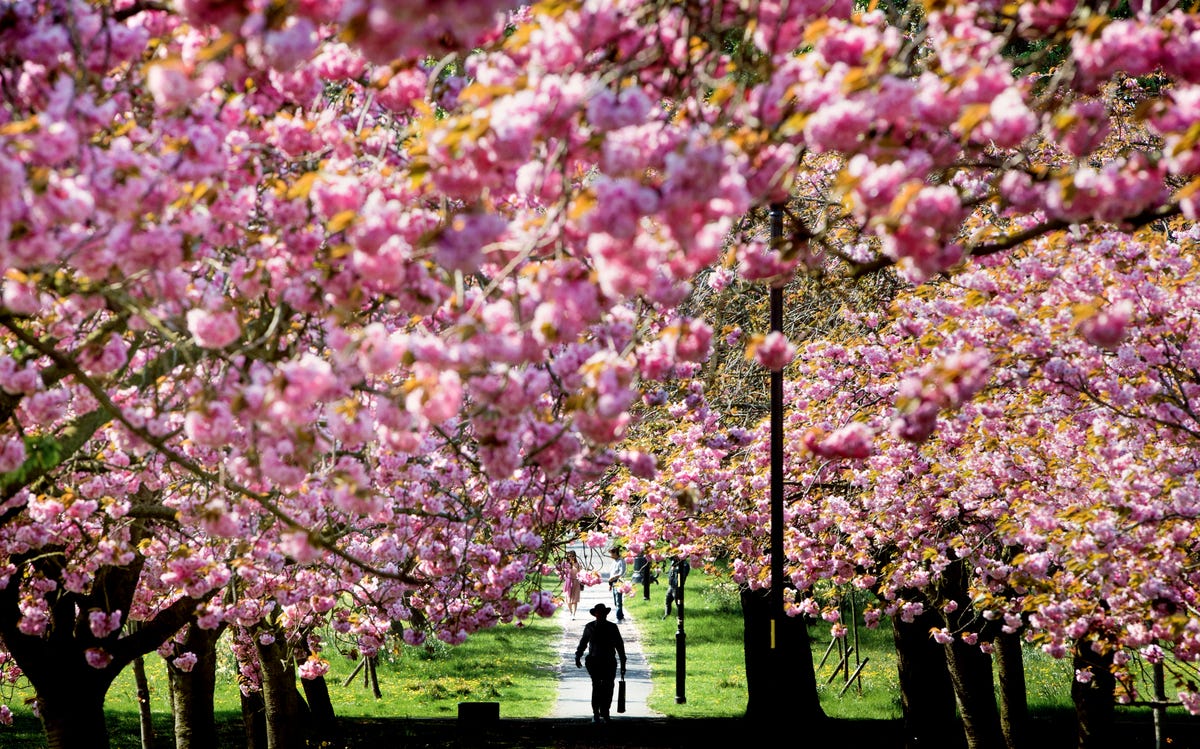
x: 607, y: 719
x: 595, y: 718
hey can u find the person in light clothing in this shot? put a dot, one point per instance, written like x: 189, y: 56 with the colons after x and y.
x: 616, y: 579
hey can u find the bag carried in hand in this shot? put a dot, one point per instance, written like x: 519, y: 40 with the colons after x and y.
x: 621, y: 696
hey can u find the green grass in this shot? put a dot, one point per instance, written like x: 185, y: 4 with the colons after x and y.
x: 510, y: 664
x: 716, y: 675
x: 871, y: 695
x: 716, y: 665
x: 515, y: 666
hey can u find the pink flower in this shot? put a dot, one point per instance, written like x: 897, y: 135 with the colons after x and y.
x: 12, y: 453
x: 313, y: 667
x: 1009, y: 121
x: 838, y: 126
x: 543, y: 603
x: 640, y: 464
x: 293, y: 44
x: 774, y: 352
x: 103, y: 624
x: 211, y: 426
x: 97, y: 657
x: 402, y: 89
x: 1108, y: 328
x: 413, y: 637
x: 108, y: 359
x: 461, y: 245
x: 852, y: 441
x: 1190, y: 701
x: 610, y: 110
x: 942, y: 636
x: 1084, y: 675
x: 170, y: 85
x: 213, y: 330
x: 185, y: 662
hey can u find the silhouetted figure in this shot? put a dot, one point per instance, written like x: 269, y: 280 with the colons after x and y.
x: 602, y: 640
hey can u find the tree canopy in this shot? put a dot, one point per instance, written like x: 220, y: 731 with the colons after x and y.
x: 309, y: 303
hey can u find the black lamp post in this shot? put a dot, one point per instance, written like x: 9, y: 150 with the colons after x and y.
x: 680, y: 639
x: 776, y: 600
x: 677, y: 575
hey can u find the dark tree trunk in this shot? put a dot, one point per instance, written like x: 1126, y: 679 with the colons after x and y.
x: 926, y: 693
x: 254, y: 720
x: 192, y: 691
x: 70, y: 691
x: 145, y: 717
x: 779, y: 681
x: 1095, y: 712
x: 974, y: 690
x: 74, y: 716
x: 316, y: 692
x: 1014, y: 704
x: 286, y: 713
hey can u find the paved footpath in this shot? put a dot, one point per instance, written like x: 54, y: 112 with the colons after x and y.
x: 574, y: 685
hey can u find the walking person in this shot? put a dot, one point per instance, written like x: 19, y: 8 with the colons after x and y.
x: 568, y: 570
x: 616, y: 579
x: 602, y: 641
x: 643, y: 573
x: 676, y: 577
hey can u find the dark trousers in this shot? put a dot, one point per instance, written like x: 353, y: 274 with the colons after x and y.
x: 670, y: 598
x: 604, y: 676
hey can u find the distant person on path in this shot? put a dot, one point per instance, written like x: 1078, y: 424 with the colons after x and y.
x: 568, y: 570
x: 602, y: 640
x: 643, y: 573
x: 616, y: 579
x: 676, y: 577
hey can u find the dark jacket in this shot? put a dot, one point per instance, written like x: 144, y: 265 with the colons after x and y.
x: 602, y: 640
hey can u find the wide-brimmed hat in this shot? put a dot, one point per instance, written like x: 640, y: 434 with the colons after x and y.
x: 599, y: 609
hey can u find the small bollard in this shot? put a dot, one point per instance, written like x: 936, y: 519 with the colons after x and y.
x: 477, y: 714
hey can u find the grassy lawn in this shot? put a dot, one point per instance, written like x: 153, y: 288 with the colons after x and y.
x: 716, y: 666
x: 516, y: 666
x: 716, y: 680
x: 513, y: 665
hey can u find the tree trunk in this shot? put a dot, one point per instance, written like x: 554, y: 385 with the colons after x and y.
x: 145, y: 717
x: 73, y: 716
x: 779, y: 680
x: 70, y: 690
x: 286, y: 713
x: 254, y: 720
x: 192, y: 691
x: 1095, y: 712
x: 974, y: 690
x: 1014, y: 704
x: 926, y: 693
x: 316, y: 692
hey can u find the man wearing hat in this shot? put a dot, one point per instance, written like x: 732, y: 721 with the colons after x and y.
x: 602, y: 639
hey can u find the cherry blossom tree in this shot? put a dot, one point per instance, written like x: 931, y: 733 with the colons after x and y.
x: 376, y: 285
